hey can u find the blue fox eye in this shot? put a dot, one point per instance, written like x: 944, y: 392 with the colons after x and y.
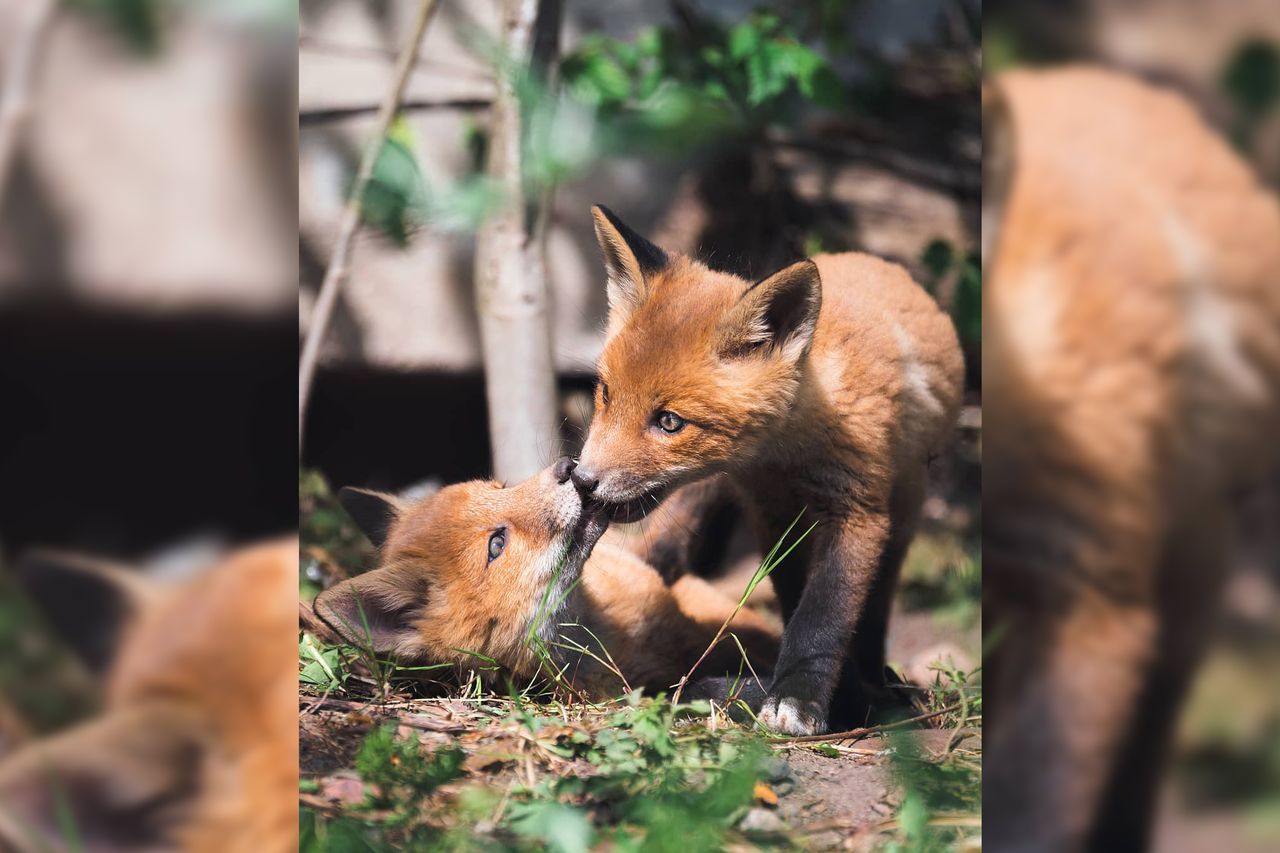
x: 497, y: 542
x: 670, y: 422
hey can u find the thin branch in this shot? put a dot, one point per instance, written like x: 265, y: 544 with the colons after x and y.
x: 856, y: 734
x: 340, y: 259
x: 19, y: 75
x: 323, y: 46
x: 336, y: 114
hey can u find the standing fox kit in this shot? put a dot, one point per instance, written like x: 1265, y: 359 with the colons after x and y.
x: 478, y: 569
x: 822, y: 389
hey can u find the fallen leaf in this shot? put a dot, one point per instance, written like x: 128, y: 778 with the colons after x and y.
x: 764, y: 794
x: 342, y: 790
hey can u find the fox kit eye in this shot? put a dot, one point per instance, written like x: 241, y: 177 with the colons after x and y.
x: 497, y: 542
x: 604, y: 393
x: 670, y: 422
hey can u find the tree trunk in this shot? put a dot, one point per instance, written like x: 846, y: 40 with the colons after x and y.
x: 511, y: 282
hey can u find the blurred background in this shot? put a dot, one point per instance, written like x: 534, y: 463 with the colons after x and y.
x: 147, y: 312
x: 749, y: 134
x: 1223, y: 788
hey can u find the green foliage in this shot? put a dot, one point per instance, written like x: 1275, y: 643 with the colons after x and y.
x: 669, y: 88
x: 937, y: 258
x: 136, y: 22
x: 39, y: 676
x: 556, y: 826
x: 966, y: 308
x: 397, y: 768
x: 395, y: 199
x: 326, y: 532
x: 645, y: 780
x: 932, y: 788
x: 322, y: 667
x: 1252, y: 77
x: 398, y: 201
x: 399, y: 777
x: 669, y: 76
x: 940, y: 259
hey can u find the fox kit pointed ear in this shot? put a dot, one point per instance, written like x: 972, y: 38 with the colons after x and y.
x: 374, y: 512
x: 779, y: 313
x: 377, y: 610
x: 129, y: 780
x: 88, y: 602
x: 628, y: 258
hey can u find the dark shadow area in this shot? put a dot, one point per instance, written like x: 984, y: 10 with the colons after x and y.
x: 390, y: 430
x: 123, y: 433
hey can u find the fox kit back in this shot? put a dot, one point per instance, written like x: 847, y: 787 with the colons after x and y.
x: 822, y: 389
x: 196, y: 749
x: 1132, y: 377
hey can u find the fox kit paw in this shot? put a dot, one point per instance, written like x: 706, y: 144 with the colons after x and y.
x: 794, y: 717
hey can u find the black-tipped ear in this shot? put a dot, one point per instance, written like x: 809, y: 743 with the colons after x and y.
x: 127, y: 781
x: 87, y: 602
x: 780, y: 313
x: 628, y: 258
x: 376, y: 611
x: 374, y: 512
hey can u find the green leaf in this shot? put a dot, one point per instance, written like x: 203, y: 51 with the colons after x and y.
x: 744, y: 40
x: 1252, y: 77
x: 596, y: 78
x: 767, y: 73
x: 937, y: 257
x: 913, y: 816
x: 395, y: 198
x: 137, y: 22
x: 561, y: 828
x: 825, y: 89
x: 827, y: 749
x: 967, y: 309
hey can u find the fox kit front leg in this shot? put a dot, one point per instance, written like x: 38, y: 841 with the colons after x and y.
x: 816, y: 642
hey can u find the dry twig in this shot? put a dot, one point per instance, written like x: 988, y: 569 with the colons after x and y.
x: 340, y: 259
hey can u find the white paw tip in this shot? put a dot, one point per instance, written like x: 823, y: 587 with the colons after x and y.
x: 784, y: 716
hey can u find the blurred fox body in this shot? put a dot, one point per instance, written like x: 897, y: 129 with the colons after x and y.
x: 1132, y: 382
x: 477, y: 571
x: 822, y: 390
x: 197, y: 747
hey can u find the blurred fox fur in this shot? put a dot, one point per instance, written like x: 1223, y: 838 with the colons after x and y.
x: 197, y: 747
x: 1132, y: 388
x: 439, y: 596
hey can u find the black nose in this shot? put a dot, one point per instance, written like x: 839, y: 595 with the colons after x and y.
x: 563, y: 468
x: 585, y: 480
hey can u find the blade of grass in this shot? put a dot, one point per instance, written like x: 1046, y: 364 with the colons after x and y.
x: 767, y: 565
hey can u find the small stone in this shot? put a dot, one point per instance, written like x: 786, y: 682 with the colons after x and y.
x: 760, y: 820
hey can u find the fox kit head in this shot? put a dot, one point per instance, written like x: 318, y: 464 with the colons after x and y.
x: 467, y: 570
x: 196, y: 748
x: 698, y: 365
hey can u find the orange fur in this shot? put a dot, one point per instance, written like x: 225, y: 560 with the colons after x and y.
x: 440, y: 598
x: 196, y: 749
x: 823, y: 389
x: 1132, y: 379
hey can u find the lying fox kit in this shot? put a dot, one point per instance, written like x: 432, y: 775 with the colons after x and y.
x: 821, y: 390
x: 479, y: 570
x: 1132, y: 379
x: 197, y: 748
